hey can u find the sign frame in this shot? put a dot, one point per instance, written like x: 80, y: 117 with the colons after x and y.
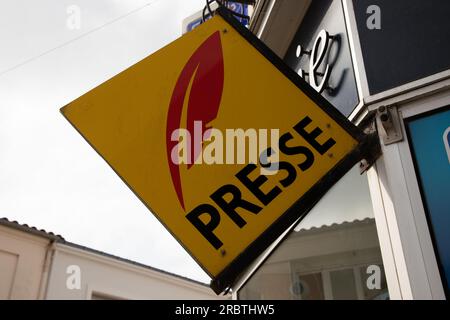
x: 228, y: 277
x: 297, y: 211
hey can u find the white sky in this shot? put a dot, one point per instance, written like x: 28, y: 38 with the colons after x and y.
x: 49, y: 176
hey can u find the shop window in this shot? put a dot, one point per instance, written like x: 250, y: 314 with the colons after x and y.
x: 308, y: 287
x: 333, y: 254
x: 343, y: 284
x: 429, y: 138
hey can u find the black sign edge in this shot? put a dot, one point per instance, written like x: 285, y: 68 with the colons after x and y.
x: 237, y: 266
x: 62, y: 111
x: 228, y: 276
x: 296, y: 212
x: 326, y: 106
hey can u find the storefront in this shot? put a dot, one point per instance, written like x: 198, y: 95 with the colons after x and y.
x: 381, y: 234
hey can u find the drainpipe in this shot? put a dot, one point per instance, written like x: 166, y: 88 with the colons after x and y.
x: 48, y: 262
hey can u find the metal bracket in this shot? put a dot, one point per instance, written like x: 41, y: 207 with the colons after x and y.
x: 371, y: 149
x: 372, y: 152
x: 389, y: 124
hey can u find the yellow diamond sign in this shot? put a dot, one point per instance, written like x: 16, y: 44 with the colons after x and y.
x: 179, y: 128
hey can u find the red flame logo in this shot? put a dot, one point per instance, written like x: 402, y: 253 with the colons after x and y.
x: 206, y: 73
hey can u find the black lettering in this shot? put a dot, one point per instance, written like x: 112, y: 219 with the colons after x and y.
x: 311, y: 137
x: 236, y: 202
x: 254, y: 185
x: 309, y: 160
x: 292, y: 173
x: 206, y: 229
x: 282, y: 165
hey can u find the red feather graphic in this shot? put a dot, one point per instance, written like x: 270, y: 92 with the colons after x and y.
x: 206, y: 66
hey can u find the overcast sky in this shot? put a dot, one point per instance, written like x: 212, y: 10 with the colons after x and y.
x: 49, y: 176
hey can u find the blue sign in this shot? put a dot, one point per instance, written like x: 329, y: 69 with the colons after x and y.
x: 241, y: 9
x: 193, y: 24
x: 233, y: 6
x: 430, y: 140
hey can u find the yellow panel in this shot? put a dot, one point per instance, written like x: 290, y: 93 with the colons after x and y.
x: 125, y: 119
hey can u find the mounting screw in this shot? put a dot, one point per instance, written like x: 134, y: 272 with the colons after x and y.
x: 223, y: 252
x: 384, y: 114
x: 224, y: 30
x: 363, y: 166
x: 389, y: 121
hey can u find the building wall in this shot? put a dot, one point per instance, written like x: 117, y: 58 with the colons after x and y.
x: 102, y: 277
x: 22, y: 260
x: 408, y: 91
x: 33, y: 266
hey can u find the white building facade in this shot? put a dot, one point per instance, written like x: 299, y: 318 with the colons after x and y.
x: 35, y: 264
x: 389, y: 74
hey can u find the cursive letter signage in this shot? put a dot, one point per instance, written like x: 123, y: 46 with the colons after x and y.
x: 316, y: 57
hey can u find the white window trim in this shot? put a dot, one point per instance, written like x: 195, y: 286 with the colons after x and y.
x: 408, y: 254
x: 108, y: 293
x: 393, y: 94
x: 405, y: 242
x: 412, y: 182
